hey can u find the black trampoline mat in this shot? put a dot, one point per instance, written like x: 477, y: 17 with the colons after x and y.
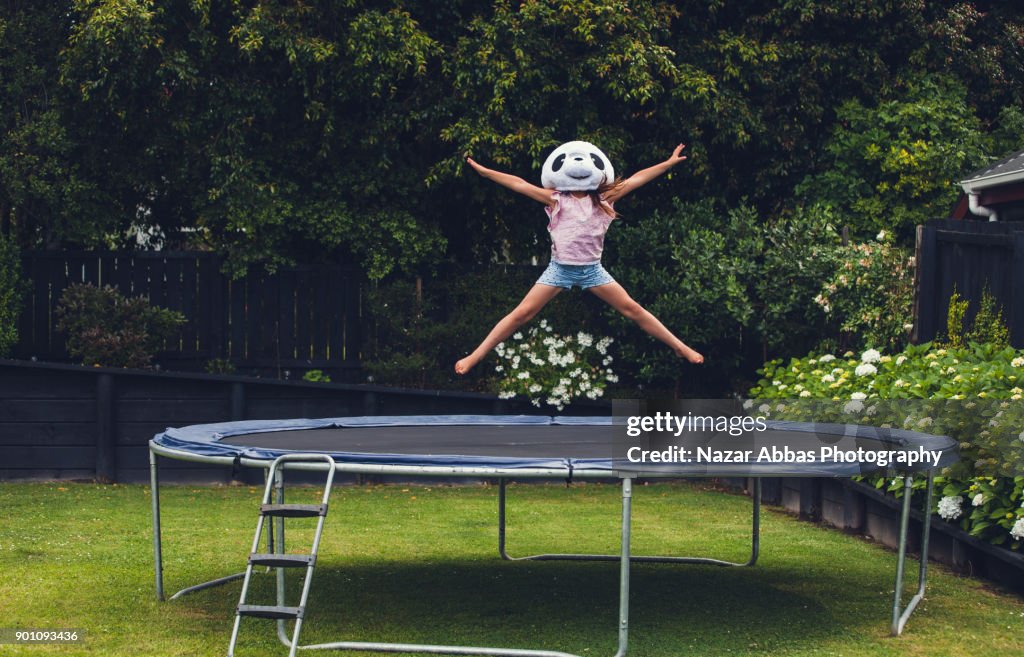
x: 510, y: 441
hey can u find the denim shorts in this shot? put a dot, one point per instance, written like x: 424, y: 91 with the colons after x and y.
x: 582, y: 276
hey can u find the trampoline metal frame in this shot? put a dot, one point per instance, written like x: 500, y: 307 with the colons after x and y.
x: 900, y: 614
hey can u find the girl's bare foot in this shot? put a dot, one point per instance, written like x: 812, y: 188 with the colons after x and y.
x: 464, y: 365
x: 689, y: 354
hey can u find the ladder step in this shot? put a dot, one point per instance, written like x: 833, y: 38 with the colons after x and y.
x: 282, y: 560
x: 294, y: 510
x: 270, y: 611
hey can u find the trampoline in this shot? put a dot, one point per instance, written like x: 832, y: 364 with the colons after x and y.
x: 499, y: 448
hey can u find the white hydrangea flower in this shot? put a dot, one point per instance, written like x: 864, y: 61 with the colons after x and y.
x: 747, y: 405
x: 826, y: 358
x: 880, y: 236
x: 585, y: 339
x: 865, y: 369
x: 870, y: 356
x: 1017, y: 362
x: 805, y: 393
x: 900, y: 360
x: 828, y: 378
x: 853, y: 407
x: 858, y: 395
x: 764, y: 408
x: 523, y: 375
x: 1018, y: 529
x: 517, y: 335
x: 535, y: 388
x: 949, y: 507
x: 506, y: 394
x: 978, y: 500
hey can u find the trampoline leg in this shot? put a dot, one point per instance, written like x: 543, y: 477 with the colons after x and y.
x: 624, y: 562
x: 154, y: 491
x: 154, y: 483
x: 901, y: 616
x: 755, y: 524
x: 755, y: 543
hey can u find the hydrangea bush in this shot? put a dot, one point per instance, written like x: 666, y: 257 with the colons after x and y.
x: 984, y: 491
x: 553, y: 369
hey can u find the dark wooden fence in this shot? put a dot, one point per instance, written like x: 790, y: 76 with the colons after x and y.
x: 970, y: 256
x: 300, y: 317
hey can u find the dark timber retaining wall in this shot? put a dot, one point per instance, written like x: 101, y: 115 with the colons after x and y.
x: 73, y: 422
x: 861, y: 509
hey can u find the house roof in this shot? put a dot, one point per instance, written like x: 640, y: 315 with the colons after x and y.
x: 1007, y: 170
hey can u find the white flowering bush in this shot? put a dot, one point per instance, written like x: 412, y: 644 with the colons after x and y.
x: 984, y: 491
x: 553, y: 369
x: 949, y: 507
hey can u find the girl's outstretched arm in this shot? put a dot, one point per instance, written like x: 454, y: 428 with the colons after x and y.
x: 645, y: 176
x: 515, y: 183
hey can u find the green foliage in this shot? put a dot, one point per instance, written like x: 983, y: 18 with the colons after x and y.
x: 988, y: 326
x: 316, y: 376
x: 893, y: 165
x: 277, y: 132
x: 219, y: 366
x: 722, y: 281
x: 553, y: 369
x: 11, y: 293
x: 869, y: 295
x: 972, y: 393
x: 955, y: 317
x: 104, y: 328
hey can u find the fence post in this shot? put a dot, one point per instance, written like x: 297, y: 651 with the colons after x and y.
x: 925, y: 285
x: 106, y: 454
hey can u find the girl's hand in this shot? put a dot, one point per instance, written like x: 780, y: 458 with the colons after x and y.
x: 478, y: 167
x: 676, y: 158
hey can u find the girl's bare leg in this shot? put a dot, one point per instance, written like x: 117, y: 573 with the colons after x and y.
x: 617, y: 297
x: 535, y: 299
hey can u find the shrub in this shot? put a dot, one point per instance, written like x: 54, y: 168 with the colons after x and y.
x: 316, y: 376
x: 972, y: 393
x: 728, y: 283
x: 11, y: 292
x: 955, y: 317
x: 554, y: 369
x: 220, y: 366
x: 105, y: 328
x: 870, y: 295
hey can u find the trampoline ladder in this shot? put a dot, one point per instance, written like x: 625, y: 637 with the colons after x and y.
x: 277, y: 558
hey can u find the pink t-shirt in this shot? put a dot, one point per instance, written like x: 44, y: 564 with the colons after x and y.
x: 577, y: 227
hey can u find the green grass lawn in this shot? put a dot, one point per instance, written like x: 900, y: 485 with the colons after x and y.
x: 403, y: 563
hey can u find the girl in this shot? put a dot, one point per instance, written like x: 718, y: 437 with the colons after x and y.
x: 579, y: 192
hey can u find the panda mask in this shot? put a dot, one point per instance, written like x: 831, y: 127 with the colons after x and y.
x: 576, y: 166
